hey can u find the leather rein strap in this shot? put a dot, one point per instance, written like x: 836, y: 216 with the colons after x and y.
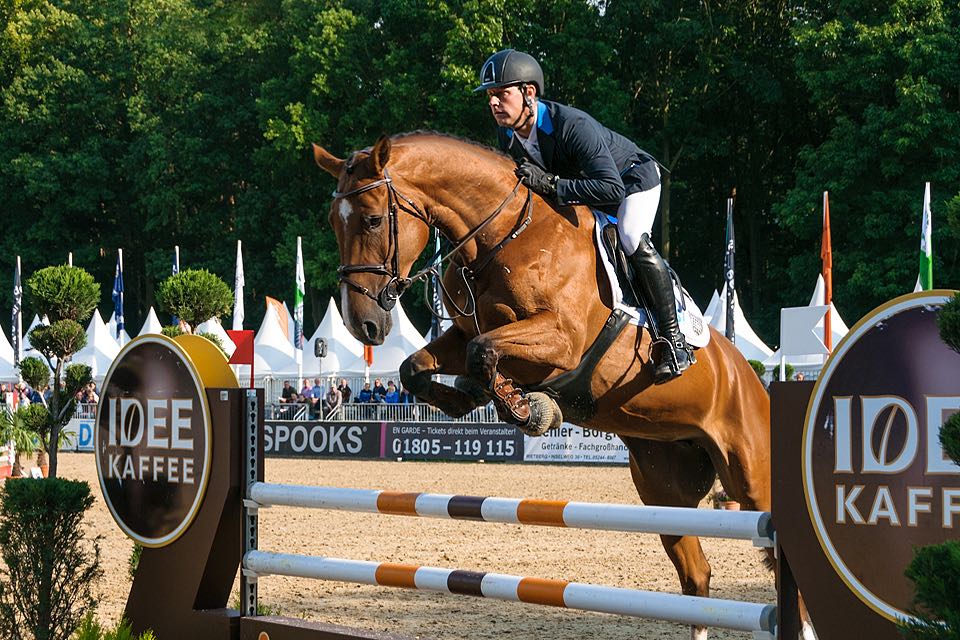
x: 388, y: 295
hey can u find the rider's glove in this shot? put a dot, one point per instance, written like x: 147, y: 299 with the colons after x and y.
x: 537, y: 179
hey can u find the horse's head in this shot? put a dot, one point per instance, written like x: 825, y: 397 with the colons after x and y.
x: 378, y: 240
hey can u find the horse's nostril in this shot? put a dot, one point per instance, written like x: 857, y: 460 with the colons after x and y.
x: 370, y: 330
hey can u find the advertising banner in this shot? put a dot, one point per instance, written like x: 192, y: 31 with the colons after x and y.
x: 570, y: 443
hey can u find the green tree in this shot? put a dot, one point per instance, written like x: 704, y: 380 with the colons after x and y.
x: 882, y: 77
x: 70, y: 295
x: 195, y: 296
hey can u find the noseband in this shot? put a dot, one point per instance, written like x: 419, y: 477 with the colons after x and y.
x: 388, y: 295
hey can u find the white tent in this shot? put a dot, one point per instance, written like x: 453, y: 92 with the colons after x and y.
x: 712, y: 307
x: 101, y: 348
x: 213, y: 326
x: 151, y: 324
x: 8, y: 373
x: 745, y: 339
x: 112, y: 328
x: 403, y: 340
x: 838, y: 329
x: 344, y: 352
x: 273, y: 352
x: 26, y: 348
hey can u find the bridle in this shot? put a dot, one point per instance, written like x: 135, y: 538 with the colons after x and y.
x: 388, y: 295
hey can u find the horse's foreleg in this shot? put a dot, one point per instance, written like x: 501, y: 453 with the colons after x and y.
x: 443, y: 355
x: 676, y: 474
x: 533, y: 342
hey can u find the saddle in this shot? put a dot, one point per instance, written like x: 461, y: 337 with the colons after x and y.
x: 573, y: 388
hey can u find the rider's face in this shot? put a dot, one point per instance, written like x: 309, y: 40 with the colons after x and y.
x: 506, y: 104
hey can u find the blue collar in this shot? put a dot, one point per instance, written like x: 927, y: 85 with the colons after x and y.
x: 544, y: 123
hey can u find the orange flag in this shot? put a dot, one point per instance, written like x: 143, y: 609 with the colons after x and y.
x: 281, y: 314
x: 826, y: 254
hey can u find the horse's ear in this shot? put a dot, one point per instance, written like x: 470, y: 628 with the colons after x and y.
x: 327, y: 161
x: 380, y: 154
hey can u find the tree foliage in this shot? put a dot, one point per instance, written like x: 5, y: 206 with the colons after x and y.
x: 137, y: 125
x: 51, y: 567
x: 195, y: 296
x: 63, y: 293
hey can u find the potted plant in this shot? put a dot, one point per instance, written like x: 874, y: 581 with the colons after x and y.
x: 722, y: 500
x: 13, y: 428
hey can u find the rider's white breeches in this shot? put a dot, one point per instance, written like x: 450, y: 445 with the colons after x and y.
x: 636, y: 215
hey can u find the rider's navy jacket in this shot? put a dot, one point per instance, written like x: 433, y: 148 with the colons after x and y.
x: 596, y: 166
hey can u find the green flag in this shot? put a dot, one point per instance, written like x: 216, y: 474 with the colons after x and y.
x: 298, y: 300
x: 925, y: 279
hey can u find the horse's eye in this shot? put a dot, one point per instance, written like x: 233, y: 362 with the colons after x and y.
x: 374, y: 221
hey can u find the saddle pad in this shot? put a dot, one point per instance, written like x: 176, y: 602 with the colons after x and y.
x: 692, y: 325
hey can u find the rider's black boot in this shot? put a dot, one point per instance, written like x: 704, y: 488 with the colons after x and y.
x: 653, y: 282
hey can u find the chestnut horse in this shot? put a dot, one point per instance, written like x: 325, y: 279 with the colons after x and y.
x: 533, y: 277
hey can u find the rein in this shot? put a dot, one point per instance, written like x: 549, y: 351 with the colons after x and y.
x: 388, y: 295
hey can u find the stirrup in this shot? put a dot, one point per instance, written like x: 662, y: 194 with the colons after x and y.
x: 674, y: 360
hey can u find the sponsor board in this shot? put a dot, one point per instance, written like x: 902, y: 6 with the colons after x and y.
x: 153, y: 434
x: 453, y: 441
x: 78, y: 435
x: 291, y: 438
x: 570, y: 443
x: 875, y: 479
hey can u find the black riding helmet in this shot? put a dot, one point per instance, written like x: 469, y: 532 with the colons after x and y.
x: 509, y: 67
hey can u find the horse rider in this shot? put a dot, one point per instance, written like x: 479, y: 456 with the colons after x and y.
x: 569, y: 158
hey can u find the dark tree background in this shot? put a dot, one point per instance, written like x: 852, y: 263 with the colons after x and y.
x: 124, y: 123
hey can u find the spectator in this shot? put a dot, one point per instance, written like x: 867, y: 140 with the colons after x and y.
x: 378, y: 390
x: 333, y: 400
x: 365, y: 395
x: 392, y: 396
x: 289, y: 394
x: 406, y: 397
x: 345, y: 390
x: 316, y: 391
x: 89, y: 394
x: 307, y: 390
x: 799, y: 377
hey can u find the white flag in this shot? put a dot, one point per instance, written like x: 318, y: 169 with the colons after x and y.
x: 925, y: 278
x: 238, y: 293
x: 298, y: 299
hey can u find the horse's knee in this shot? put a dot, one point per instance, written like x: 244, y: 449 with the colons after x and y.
x: 414, y: 375
x: 482, y: 358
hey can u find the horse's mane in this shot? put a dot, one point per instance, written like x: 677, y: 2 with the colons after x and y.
x: 450, y: 136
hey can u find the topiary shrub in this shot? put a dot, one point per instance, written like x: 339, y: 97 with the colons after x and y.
x: 172, y: 331
x: 758, y: 368
x: 59, y: 339
x: 34, y: 372
x: 63, y: 293
x: 950, y: 437
x: 215, y: 339
x: 51, y: 567
x: 67, y: 295
x: 195, y: 295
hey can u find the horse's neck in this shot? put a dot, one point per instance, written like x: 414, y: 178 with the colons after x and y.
x: 461, y: 189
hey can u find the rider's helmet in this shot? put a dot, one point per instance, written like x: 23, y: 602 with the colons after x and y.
x: 509, y: 67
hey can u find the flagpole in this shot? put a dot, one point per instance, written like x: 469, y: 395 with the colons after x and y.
x: 826, y: 254
x: 730, y: 330
x: 925, y: 276
x: 298, y: 311
x: 17, y: 328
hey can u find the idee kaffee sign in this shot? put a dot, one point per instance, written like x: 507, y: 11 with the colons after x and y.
x: 876, y: 481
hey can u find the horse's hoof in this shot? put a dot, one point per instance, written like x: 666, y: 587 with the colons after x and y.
x: 544, y: 414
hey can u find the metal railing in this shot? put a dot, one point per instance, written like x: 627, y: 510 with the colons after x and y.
x: 378, y: 412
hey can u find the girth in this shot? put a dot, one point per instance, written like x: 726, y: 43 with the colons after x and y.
x: 573, y: 388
